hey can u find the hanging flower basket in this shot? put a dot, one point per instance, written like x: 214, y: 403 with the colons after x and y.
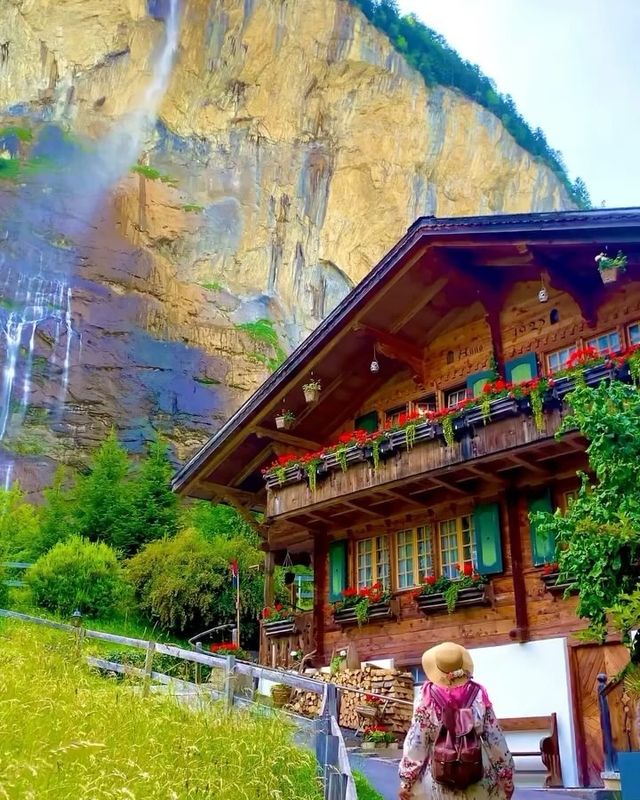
x: 609, y: 268
x: 609, y: 275
x: 285, y: 420
x: 311, y: 391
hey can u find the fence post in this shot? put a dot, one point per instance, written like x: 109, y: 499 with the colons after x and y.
x: 148, y: 668
x: 229, y: 670
x: 610, y: 754
x: 197, y: 669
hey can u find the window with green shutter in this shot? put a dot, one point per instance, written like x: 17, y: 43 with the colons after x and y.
x: 477, y: 382
x: 486, y: 523
x: 337, y: 569
x: 543, y: 547
x: 521, y: 369
x: 367, y: 422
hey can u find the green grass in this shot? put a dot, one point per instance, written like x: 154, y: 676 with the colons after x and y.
x: 364, y: 789
x: 23, y: 134
x: 214, y: 286
x: 152, y: 174
x: 206, y: 381
x: 263, y: 333
x: 12, y: 169
x: 69, y: 734
x: 193, y: 207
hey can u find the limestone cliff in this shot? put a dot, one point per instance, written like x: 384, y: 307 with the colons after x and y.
x: 293, y: 147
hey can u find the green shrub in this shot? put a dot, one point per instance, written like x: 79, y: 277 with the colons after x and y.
x: 77, y: 574
x: 185, y: 583
x: 4, y: 589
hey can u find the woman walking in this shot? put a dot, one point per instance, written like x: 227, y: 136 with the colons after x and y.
x: 455, y: 749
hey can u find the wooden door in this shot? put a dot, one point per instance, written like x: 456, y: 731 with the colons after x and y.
x: 587, y: 662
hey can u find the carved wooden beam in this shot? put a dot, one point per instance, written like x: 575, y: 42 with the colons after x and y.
x: 423, y: 300
x: 283, y: 437
x: 396, y: 347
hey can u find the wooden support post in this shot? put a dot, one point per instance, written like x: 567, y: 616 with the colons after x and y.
x: 269, y: 563
x: 515, y: 510
x: 229, y: 678
x: 148, y: 668
x: 320, y: 554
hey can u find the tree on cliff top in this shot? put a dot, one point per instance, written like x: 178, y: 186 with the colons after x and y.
x: 439, y: 64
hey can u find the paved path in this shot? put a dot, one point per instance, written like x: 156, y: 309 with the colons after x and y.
x: 383, y: 775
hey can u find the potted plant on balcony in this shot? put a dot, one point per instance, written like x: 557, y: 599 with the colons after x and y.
x: 278, y: 621
x: 311, y: 390
x: 359, y: 606
x: 440, y: 593
x: 610, y: 267
x: 285, y: 420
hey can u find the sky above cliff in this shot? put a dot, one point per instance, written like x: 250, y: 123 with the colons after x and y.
x: 573, y: 69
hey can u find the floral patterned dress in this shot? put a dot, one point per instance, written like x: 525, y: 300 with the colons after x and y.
x: 418, y: 747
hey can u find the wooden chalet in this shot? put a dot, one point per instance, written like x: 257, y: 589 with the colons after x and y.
x: 448, y: 471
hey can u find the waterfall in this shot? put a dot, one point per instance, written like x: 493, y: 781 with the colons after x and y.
x: 35, y: 272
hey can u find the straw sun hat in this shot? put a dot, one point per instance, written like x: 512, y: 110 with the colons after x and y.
x: 447, y: 664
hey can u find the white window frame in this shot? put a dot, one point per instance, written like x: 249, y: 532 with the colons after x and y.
x: 418, y: 552
x: 377, y: 567
x: 603, y: 351
x: 570, y: 350
x: 457, y: 395
x: 465, y: 544
x: 633, y: 332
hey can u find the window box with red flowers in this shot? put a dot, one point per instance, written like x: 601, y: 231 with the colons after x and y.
x: 278, y: 621
x: 446, y: 594
x: 551, y: 578
x: 359, y: 606
x: 229, y: 649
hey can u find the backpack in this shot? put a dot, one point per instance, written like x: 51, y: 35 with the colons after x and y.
x: 457, y: 753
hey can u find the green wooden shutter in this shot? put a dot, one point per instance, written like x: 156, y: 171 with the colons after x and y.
x: 543, y: 548
x: 486, y: 523
x: 521, y: 369
x: 367, y: 422
x: 477, y: 382
x: 337, y: 569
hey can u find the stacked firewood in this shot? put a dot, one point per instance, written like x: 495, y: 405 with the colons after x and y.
x: 388, y: 683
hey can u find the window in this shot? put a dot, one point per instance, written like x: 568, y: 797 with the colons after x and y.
x: 634, y: 333
x: 606, y: 343
x: 424, y: 404
x: 373, y: 562
x: 568, y: 498
x: 456, y: 544
x: 455, y: 396
x: 415, y: 556
x: 558, y: 360
x: 392, y: 416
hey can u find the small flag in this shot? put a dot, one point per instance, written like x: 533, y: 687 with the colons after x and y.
x: 234, y: 572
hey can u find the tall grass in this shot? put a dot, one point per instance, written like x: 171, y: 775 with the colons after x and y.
x: 69, y: 734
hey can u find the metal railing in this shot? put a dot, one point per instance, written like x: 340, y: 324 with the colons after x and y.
x: 330, y: 749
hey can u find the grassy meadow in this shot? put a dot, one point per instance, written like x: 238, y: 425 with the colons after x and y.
x: 70, y: 734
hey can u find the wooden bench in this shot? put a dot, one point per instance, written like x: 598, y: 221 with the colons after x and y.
x: 549, y: 748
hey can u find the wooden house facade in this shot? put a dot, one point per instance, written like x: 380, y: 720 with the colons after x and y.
x: 432, y: 438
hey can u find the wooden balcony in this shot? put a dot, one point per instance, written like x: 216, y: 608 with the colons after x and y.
x: 483, y: 451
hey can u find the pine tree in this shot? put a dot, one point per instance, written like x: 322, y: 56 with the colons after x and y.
x: 57, y: 517
x: 154, y: 507
x: 103, y: 496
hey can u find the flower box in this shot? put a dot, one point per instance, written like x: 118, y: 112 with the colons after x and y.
x: 311, y: 393
x: 432, y: 603
x: 424, y: 432
x: 550, y: 581
x: 595, y: 375
x: 279, y: 627
x: 376, y: 613
x: 353, y: 455
x: 462, y: 427
x: 552, y: 398
x: 524, y: 405
x: 623, y: 373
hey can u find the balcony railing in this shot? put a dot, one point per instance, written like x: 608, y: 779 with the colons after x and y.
x: 509, y: 424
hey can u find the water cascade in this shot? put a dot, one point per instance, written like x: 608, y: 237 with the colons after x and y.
x: 38, y: 248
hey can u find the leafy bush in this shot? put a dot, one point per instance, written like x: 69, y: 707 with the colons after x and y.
x: 19, y: 532
x: 364, y: 789
x: 77, y: 574
x: 4, y: 589
x: 69, y: 733
x: 185, y: 583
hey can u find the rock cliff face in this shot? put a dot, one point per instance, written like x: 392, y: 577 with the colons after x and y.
x: 292, y: 148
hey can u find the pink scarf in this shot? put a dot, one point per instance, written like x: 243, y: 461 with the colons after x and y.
x: 455, y: 692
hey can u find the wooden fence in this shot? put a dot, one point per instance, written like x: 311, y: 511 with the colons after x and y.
x: 331, y: 752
